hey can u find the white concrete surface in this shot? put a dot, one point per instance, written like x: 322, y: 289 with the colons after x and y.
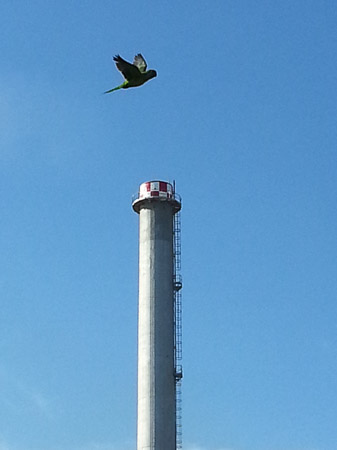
x: 156, y: 383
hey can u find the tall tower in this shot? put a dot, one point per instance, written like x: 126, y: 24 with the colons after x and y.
x: 159, y: 316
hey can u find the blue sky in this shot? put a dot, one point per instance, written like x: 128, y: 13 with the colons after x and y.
x: 243, y: 116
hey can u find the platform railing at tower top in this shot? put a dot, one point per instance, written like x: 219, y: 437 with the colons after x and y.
x: 174, y: 196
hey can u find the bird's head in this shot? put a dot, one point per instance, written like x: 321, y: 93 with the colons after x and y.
x: 151, y: 74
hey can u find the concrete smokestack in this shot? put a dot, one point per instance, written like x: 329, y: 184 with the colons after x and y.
x: 156, y: 205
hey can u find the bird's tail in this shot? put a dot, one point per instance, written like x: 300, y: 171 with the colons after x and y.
x: 114, y: 89
x: 118, y: 87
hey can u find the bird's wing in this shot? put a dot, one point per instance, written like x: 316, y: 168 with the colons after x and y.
x: 140, y: 62
x: 129, y: 71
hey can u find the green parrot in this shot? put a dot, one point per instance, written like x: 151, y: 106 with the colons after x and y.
x: 135, y: 74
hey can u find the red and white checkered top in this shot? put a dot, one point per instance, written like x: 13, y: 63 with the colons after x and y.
x: 153, y: 189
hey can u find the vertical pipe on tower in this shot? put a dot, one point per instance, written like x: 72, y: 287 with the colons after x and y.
x: 156, y: 205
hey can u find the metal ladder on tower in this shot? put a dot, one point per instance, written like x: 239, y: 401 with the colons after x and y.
x: 177, y: 284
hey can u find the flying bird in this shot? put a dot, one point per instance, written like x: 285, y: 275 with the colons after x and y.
x: 135, y: 74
